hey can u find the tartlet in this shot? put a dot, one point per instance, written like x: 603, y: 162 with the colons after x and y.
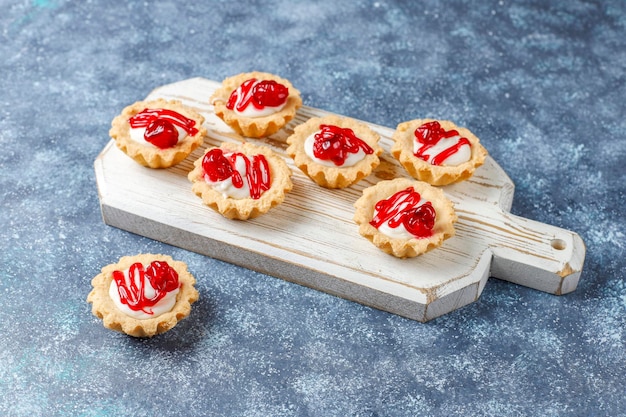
x: 404, y: 217
x: 437, y: 151
x: 256, y: 104
x: 334, y: 152
x: 240, y: 181
x: 158, y: 133
x: 143, y: 295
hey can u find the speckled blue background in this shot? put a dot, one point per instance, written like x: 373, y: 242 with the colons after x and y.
x: 541, y: 83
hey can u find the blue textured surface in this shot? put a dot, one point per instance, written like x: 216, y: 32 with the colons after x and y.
x: 541, y: 83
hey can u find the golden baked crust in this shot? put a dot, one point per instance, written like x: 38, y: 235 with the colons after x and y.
x: 255, y: 127
x: 402, y: 150
x: 147, y: 154
x: 333, y: 176
x: 403, y: 248
x: 104, y: 308
x: 244, y: 208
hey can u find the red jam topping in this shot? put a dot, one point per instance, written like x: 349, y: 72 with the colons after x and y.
x: 160, y: 126
x: 333, y: 143
x: 162, y: 277
x: 261, y: 94
x: 429, y: 134
x: 220, y: 167
x: 402, y: 209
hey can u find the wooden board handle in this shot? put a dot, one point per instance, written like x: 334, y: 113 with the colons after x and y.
x: 534, y: 254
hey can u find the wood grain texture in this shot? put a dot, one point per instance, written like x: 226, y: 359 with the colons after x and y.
x: 311, y: 239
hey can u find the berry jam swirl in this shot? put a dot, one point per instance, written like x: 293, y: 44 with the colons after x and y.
x: 161, y: 126
x: 141, y: 289
x: 236, y: 166
x: 258, y: 98
x: 406, y: 208
x: 336, y: 144
x: 438, y: 146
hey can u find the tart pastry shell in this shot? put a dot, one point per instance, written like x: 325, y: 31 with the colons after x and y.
x: 147, y: 154
x: 331, y: 176
x: 402, y: 150
x: 404, y: 248
x: 244, y: 208
x: 104, y: 308
x: 255, y: 127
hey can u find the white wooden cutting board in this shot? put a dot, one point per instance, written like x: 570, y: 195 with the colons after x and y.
x: 311, y: 239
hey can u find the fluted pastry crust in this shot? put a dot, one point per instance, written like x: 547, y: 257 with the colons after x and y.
x: 403, y: 248
x: 402, y: 150
x: 104, y: 308
x: 255, y: 127
x: 147, y: 154
x: 333, y: 176
x: 244, y: 208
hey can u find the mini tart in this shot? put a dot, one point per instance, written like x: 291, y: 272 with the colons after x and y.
x: 147, y: 154
x: 333, y: 176
x: 113, y: 318
x: 399, y: 247
x: 402, y: 150
x: 244, y: 208
x: 254, y: 127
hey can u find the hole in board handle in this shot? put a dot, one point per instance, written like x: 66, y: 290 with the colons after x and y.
x: 558, y: 244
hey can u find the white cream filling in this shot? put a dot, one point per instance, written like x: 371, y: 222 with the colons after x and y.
x: 137, y: 133
x: 164, y: 305
x: 226, y: 187
x: 464, y: 153
x: 352, y: 159
x: 399, y: 232
x: 251, y: 110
